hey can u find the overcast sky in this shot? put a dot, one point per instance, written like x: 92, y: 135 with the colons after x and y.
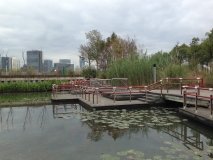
x: 58, y: 27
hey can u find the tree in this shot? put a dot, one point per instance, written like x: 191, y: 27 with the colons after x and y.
x: 210, y: 43
x: 106, y: 54
x: 92, y: 50
x: 122, y: 48
x: 95, y: 45
x: 86, y: 53
x: 194, y: 54
x: 207, y: 46
x: 179, y: 53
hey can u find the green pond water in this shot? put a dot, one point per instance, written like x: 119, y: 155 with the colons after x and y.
x: 70, y: 132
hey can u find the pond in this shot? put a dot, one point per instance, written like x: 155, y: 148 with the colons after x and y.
x: 68, y: 131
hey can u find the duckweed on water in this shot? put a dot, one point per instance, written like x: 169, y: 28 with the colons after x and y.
x: 156, y: 117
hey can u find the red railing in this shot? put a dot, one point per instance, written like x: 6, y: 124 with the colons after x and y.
x: 82, y: 87
x: 196, y: 94
x: 166, y: 82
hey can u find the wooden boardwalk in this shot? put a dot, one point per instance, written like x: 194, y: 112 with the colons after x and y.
x: 202, y: 113
x: 100, y: 102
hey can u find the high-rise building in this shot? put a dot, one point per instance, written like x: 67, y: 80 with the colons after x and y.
x: 65, y: 61
x: 48, y: 65
x: 0, y: 62
x: 6, y: 63
x: 35, y: 60
x: 81, y: 61
x: 15, y: 63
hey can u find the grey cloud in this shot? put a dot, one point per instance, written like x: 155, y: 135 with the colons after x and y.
x: 59, y: 27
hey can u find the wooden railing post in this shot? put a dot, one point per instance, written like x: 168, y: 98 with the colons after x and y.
x: 201, y: 84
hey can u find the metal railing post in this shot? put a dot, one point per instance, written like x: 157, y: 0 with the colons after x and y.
x: 184, y: 100
x: 97, y: 94
x: 114, y: 88
x: 76, y: 90
x: 145, y: 93
x: 53, y: 90
x: 196, y: 103
x: 82, y: 92
x: 181, y: 80
x: 130, y: 97
x: 210, y: 103
x: 167, y: 83
x: 161, y: 87
x: 210, y: 106
x: 198, y: 80
x: 89, y: 96
x: 85, y: 94
x: 56, y: 90
x: 93, y: 95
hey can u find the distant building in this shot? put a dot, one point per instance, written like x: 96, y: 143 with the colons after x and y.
x: 48, y: 65
x: 0, y: 62
x: 15, y: 63
x: 35, y: 60
x: 81, y: 61
x: 6, y: 63
x: 65, y: 61
x: 59, y: 66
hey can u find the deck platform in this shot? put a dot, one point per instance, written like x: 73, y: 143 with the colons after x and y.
x: 202, y: 114
x: 100, y: 102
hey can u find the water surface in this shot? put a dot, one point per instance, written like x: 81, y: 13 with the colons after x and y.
x: 68, y: 131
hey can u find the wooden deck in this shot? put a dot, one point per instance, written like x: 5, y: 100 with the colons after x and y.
x: 100, y: 102
x: 202, y: 113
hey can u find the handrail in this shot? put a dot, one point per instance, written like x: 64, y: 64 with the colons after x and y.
x: 197, y: 95
x: 82, y: 86
x: 165, y: 82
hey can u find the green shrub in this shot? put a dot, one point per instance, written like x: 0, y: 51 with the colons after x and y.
x: 89, y: 72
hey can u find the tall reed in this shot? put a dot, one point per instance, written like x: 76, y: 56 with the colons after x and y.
x: 139, y: 69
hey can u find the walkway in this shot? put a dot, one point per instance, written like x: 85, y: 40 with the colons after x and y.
x: 100, y: 102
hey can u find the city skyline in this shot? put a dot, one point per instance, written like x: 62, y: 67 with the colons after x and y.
x: 58, y: 28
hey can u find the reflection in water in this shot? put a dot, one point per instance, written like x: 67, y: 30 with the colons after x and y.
x: 68, y: 130
x: 27, y: 119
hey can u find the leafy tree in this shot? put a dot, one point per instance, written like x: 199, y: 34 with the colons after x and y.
x: 121, y: 48
x: 209, y: 43
x: 179, y: 54
x: 95, y: 45
x: 106, y: 56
